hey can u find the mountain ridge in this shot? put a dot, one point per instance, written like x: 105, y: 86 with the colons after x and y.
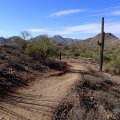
x: 110, y: 39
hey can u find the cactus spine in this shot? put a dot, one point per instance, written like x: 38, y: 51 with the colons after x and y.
x: 101, y: 44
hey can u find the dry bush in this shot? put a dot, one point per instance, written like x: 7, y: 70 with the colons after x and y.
x: 95, y: 92
x: 61, y: 112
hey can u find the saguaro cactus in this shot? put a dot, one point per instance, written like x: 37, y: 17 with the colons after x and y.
x: 101, y: 44
x: 60, y: 55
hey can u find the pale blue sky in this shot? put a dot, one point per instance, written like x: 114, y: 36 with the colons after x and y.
x: 73, y: 18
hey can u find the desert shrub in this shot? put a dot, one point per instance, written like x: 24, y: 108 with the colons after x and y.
x: 40, y: 49
x: 54, y: 51
x: 112, y: 104
x: 116, y: 111
x: 107, y: 58
x: 9, y: 47
x: 95, y: 92
x: 61, y: 112
x: 56, y: 65
x: 112, y: 64
x: 16, y: 63
x: 21, y: 43
x: 76, y: 54
x: 113, y: 67
x: 2, y: 56
x: 86, y: 54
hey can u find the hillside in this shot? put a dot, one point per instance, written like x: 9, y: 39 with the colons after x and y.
x: 17, y: 68
x: 13, y: 41
x: 3, y: 40
x: 59, y: 39
x: 56, y: 38
x: 110, y: 40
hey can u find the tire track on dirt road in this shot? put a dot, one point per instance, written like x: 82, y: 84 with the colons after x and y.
x: 39, y: 100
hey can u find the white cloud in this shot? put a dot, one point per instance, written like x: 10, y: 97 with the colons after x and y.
x: 116, y: 12
x: 91, y: 28
x: 48, y: 31
x: 67, y: 12
x: 2, y: 32
x: 112, y: 27
x: 36, y: 30
x: 60, y: 32
x: 85, y: 28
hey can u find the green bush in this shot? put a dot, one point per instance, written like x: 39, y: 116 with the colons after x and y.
x: 22, y: 43
x: 76, y: 54
x: 40, y: 49
x: 107, y: 58
x: 86, y: 54
x: 113, y: 64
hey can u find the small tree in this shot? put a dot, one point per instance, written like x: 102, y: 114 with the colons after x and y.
x: 22, y: 43
x: 25, y: 35
x: 44, y: 47
x: 40, y: 48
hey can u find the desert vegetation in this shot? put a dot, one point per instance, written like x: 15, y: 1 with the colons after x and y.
x: 99, y: 98
x: 94, y: 97
x: 17, y: 64
x: 22, y: 62
x: 59, y: 60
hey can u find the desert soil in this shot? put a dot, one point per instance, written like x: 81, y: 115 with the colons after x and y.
x: 38, y: 101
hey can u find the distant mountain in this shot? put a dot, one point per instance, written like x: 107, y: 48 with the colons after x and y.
x: 14, y: 38
x: 59, y: 39
x: 110, y: 40
x: 9, y: 40
x: 37, y: 38
x: 3, y: 40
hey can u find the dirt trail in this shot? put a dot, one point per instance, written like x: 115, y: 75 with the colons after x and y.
x: 39, y: 100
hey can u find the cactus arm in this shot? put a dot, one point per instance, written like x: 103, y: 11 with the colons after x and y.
x: 99, y: 43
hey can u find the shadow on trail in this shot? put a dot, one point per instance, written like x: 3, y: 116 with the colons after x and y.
x: 10, y: 101
x: 28, y: 102
x: 9, y: 82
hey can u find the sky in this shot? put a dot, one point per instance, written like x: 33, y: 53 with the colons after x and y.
x: 69, y: 18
